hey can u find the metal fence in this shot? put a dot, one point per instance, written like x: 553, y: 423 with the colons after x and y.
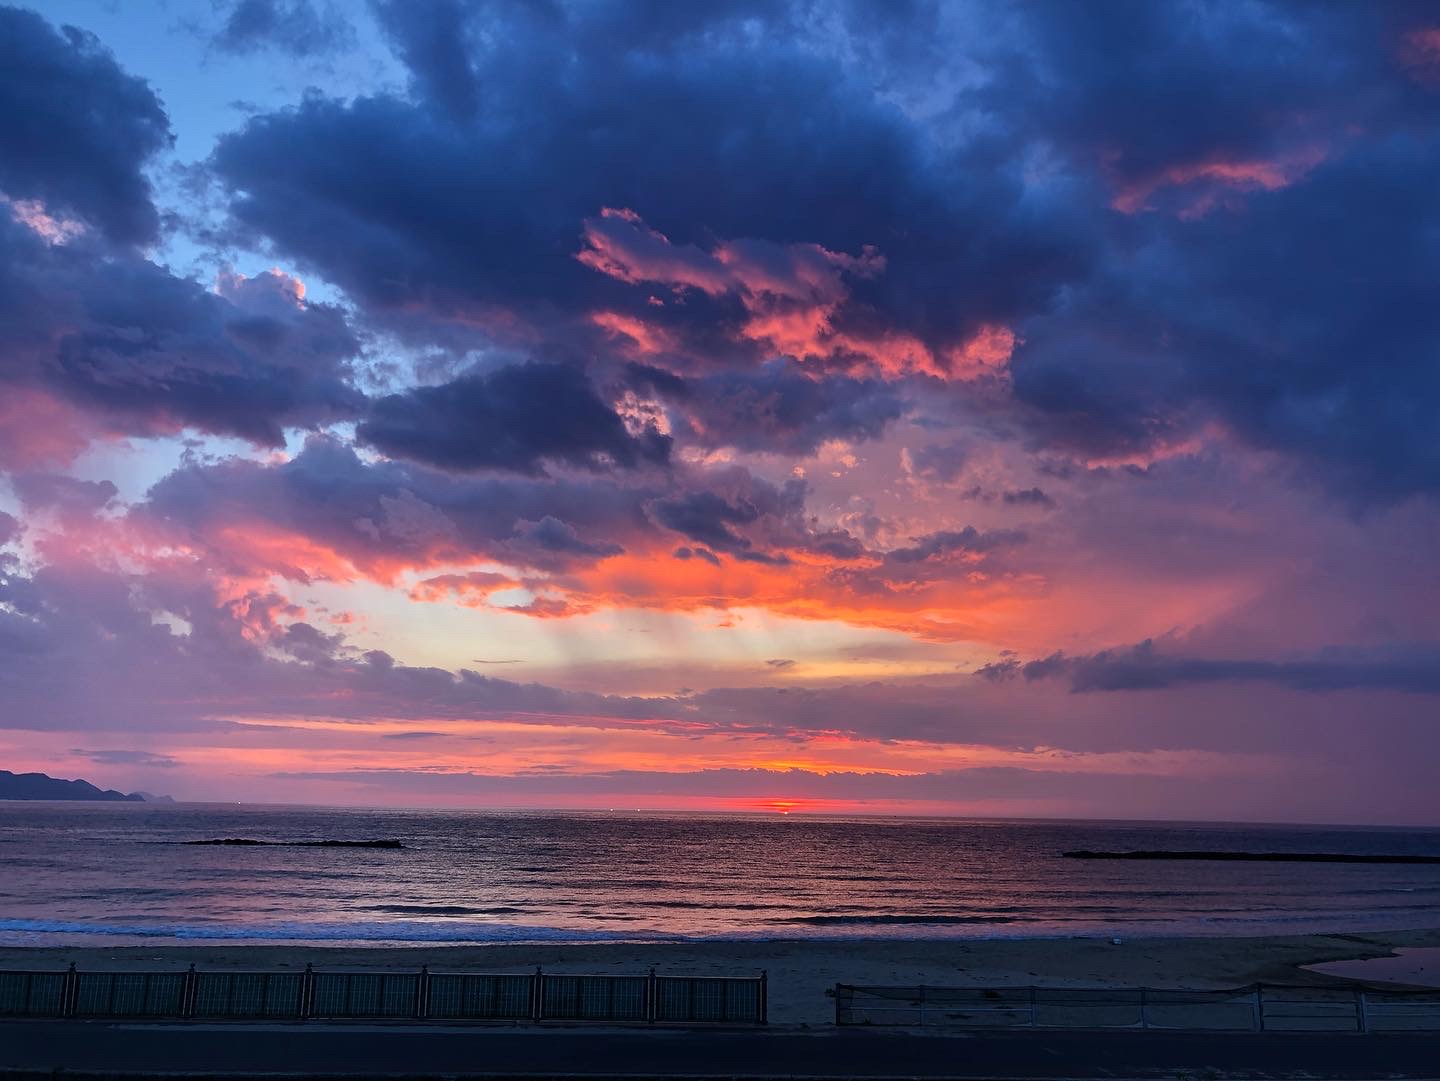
x: 417, y: 996
x: 1255, y: 1008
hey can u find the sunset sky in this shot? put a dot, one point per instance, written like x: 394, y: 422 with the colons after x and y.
x: 863, y: 405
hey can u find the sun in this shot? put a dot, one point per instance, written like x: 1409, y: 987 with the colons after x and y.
x: 780, y: 806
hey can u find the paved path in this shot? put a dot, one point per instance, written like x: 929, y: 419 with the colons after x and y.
x: 33, y: 1050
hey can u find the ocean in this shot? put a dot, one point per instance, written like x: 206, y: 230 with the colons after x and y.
x: 86, y: 874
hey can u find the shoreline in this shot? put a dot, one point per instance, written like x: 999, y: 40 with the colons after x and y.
x: 802, y: 971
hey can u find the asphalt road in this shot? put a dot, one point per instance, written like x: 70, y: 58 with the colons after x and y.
x: 33, y: 1050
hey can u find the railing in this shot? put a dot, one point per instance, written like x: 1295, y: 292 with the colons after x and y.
x: 1256, y: 1008
x: 396, y: 996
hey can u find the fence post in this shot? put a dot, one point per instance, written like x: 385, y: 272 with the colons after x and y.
x: 1362, y: 1012
x: 188, y: 992
x: 1144, y: 1020
x: 70, y: 992
x: 1260, y: 1006
x: 764, y: 1018
x: 307, y: 992
x: 1032, y: 1007
x: 537, y: 996
x: 422, y: 992
x: 651, y: 990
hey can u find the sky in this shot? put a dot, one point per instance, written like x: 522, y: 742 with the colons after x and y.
x: 841, y: 406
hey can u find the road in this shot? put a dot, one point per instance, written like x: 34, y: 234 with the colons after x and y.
x: 33, y: 1050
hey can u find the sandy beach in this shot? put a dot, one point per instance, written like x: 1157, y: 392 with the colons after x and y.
x: 802, y: 971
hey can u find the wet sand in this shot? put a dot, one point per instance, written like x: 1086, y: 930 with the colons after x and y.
x: 801, y: 972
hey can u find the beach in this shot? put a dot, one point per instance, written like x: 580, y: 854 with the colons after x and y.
x: 801, y: 972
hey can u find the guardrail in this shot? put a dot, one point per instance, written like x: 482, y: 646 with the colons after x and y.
x: 396, y: 996
x: 1254, y: 1008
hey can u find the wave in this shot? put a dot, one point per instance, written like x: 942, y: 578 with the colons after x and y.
x: 442, y: 910
x: 407, y: 931
x: 899, y: 918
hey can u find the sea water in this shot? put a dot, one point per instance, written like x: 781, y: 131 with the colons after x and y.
x: 117, y: 873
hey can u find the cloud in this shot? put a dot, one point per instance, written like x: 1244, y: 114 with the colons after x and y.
x: 327, y: 513
x: 1412, y: 669
x: 514, y: 418
x: 774, y: 409
x: 110, y: 343
x: 432, y: 40
x: 720, y: 518
x: 466, y: 224
x: 297, y: 27
x: 63, y: 89
x: 1027, y: 497
x: 143, y: 759
x: 967, y: 543
x: 65, y: 494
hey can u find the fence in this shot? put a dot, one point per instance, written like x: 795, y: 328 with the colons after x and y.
x: 1256, y: 1008
x: 413, y: 996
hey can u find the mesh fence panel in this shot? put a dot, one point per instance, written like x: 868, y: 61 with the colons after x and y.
x: 365, y: 994
x: 248, y: 994
x: 1401, y: 1011
x: 397, y: 995
x: 594, y: 998
x: 459, y: 996
x: 129, y: 994
x: 32, y: 994
x: 1307, y: 1009
x: 686, y: 998
x: 1271, y: 1008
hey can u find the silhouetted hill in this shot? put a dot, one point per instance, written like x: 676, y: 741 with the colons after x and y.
x: 40, y: 786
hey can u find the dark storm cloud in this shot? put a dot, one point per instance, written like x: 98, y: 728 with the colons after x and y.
x: 432, y: 40
x: 775, y: 409
x: 1414, y: 669
x: 145, y: 352
x: 741, y: 515
x: 466, y: 208
x: 381, y: 516
x: 298, y: 27
x: 948, y: 542
x: 1302, y: 330
x: 552, y: 535
x: 75, y: 130
x: 1156, y: 95
x: 1232, y: 289
x: 515, y: 418
x: 388, y: 514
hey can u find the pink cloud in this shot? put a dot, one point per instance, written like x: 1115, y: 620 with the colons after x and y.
x: 1211, y: 178
x: 793, y: 296
x: 37, y: 429
x: 34, y: 215
x: 644, y: 338
x: 1420, y: 53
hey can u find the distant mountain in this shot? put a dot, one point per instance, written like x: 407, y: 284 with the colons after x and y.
x: 39, y: 786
